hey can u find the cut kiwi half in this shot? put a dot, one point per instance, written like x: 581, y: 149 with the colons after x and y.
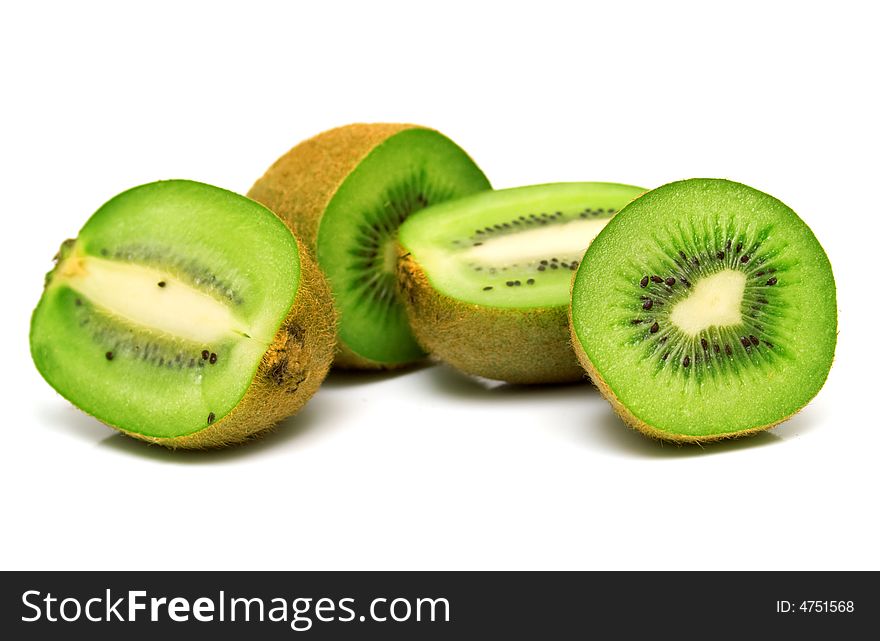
x: 485, y: 279
x: 185, y: 315
x: 705, y: 310
x: 345, y: 193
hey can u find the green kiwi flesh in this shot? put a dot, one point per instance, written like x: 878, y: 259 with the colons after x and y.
x: 486, y: 278
x: 157, y: 317
x: 705, y: 309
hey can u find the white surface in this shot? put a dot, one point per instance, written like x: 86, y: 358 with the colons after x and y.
x: 428, y: 469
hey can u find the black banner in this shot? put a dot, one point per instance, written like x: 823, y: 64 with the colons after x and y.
x: 437, y: 605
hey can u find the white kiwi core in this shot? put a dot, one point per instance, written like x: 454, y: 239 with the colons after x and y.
x: 151, y: 298
x: 715, y: 301
x: 566, y: 241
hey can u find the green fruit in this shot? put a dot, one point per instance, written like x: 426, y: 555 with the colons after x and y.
x: 345, y: 193
x: 486, y: 278
x: 706, y: 309
x: 184, y: 315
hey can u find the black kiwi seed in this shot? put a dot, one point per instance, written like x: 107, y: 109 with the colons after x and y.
x: 754, y: 340
x: 739, y: 247
x: 161, y: 283
x: 728, y: 350
x: 655, y: 328
x: 745, y: 341
x: 517, y: 283
x: 573, y: 266
x: 687, y: 361
x: 637, y: 321
x: 109, y: 356
x: 670, y: 281
x: 656, y: 279
x: 683, y: 256
x: 542, y: 268
x: 554, y: 266
x: 720, y: 255
x: 648, y: 304
x: 509, y: 283
x: 543, y: 262
x: 211, y: 418
x: 487, y: 288
x: 760, y: 273
x: 78, y: 302
x: 643, y: 282
x: 530, y: 281
x: 716, y: 348
x: 554, y: 260
x: 205, y: 354
x: 772, y: 281
x: 704, y: 344
x: 213, y: 358
x: 665, y: 356
x: 744, y: 258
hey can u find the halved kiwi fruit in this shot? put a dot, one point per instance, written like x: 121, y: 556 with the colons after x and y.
x: 705, y: 309
x: 185, y: 315
x: 486, y: 278
x: 345, y: 192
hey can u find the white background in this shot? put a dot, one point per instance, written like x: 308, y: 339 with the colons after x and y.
x: 429, y: 469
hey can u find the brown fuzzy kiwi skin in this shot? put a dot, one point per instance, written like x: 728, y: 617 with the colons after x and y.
x: 517, y: 346
x: 290, y: 372
x: 299, y: 186
x: 636, y: 423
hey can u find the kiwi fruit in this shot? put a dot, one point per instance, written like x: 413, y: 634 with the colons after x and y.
x: 485, y: 279
x: 345, y: 193
x: 705, y: 310
x: 184, y: 315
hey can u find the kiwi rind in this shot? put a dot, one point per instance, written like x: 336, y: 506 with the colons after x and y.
x: 300, y: 185
x: 750, y: 199
x: 513, y: 345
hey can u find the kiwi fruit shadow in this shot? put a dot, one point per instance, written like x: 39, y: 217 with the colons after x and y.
x: 312, y: 420
x: 462, y: 386
x: 610, y: 431
x: 342, y: 378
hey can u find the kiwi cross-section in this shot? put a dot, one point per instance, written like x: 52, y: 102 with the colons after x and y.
x: 704, y: 310
x: 185, y: 315
x: 485, y: 279
x: 345, y: 193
